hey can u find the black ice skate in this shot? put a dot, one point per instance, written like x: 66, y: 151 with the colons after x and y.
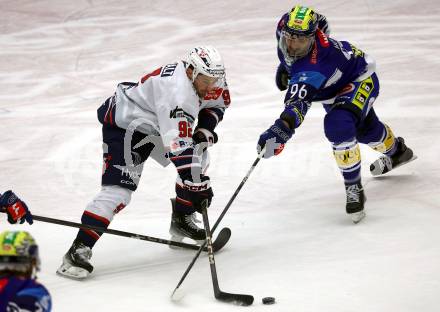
x: 184, y: 225
x: 355, y: 202
x: 76, y: 263
x: 385, y: 164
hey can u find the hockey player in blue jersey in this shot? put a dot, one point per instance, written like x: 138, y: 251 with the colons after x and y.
x: 15, y: 208
x: 19, y: 262
x: 343, y: 78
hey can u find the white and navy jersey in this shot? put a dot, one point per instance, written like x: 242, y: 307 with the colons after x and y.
x: 164, y: 102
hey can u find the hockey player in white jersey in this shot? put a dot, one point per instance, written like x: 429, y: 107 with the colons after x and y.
x: 156, y: 117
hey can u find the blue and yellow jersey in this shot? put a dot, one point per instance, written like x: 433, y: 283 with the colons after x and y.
x: 23, y: 294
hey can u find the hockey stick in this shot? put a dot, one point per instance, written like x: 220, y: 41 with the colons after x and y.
x: 174, y: 295
x: 238, y: 299
x: 221, y: 240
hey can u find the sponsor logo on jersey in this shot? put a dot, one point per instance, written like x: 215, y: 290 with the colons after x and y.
x: 314, y: 56
x: 128, y: 182
x: 323, y: 40
x: 179, y: 145
x: 178, y: 112
x: 214, y: 94
x: 168, y: 70
x: 130, y: 171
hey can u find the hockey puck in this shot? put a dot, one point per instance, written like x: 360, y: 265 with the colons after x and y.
x: 268, y: 300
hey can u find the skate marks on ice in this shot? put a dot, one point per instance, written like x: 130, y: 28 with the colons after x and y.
x: 77, y: 57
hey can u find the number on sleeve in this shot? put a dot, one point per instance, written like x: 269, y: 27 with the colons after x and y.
x: 226, y: 97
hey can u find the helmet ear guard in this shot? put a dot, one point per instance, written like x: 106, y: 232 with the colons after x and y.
x: 206, y: 60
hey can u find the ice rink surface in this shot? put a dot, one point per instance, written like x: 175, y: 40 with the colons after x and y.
x: 291, y: 238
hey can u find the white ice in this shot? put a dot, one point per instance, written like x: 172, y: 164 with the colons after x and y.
x: 291, y: 238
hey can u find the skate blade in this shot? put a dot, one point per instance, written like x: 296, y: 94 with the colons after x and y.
x: 411, y: 159
x: 357, y: 216
x: 176, y: 238
x: 179, y: 238
x: 69, y: 271
x: 378, y: 166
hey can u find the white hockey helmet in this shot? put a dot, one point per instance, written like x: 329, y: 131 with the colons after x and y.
x: 206, y: 60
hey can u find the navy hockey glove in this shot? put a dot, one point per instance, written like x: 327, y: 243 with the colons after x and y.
x: 199, y: 191
x: 274, y: 139
x: 204, y: 136
x: 282, y: 78
x: 15, y: 208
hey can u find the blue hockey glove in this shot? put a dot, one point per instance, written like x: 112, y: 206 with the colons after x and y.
x: 274, y: 139
x: 15, y: 208
x: 282, y: 78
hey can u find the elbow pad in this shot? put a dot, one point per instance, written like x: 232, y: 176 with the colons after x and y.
x: 209, y: 118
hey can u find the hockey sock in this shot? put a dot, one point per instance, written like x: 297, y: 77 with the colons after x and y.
x: 90, y: 237
x: 340, y: 129
x: 348, y: 159
x: 387, y: 144
x: 101, y: 210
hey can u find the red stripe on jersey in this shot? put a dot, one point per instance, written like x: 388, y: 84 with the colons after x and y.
x: 111, y: 114
x: 93, y: 234
x: 96, y: 217
x: 184, y: 202
x: 119, y: 208
x: 3, y: 283
x: 181, y: 157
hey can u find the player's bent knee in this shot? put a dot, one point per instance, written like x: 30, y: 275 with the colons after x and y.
x: 340, y: 125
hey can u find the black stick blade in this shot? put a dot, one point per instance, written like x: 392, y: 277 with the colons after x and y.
x: 221, y: 240
x: 237, y: 299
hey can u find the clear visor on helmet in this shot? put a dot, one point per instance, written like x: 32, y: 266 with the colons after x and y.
x: 297, y: 45
x: 208, y: 80
x: 213, y: 75
x: 217, y: 74
x: 300, y: 38
x: 15, y: 263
